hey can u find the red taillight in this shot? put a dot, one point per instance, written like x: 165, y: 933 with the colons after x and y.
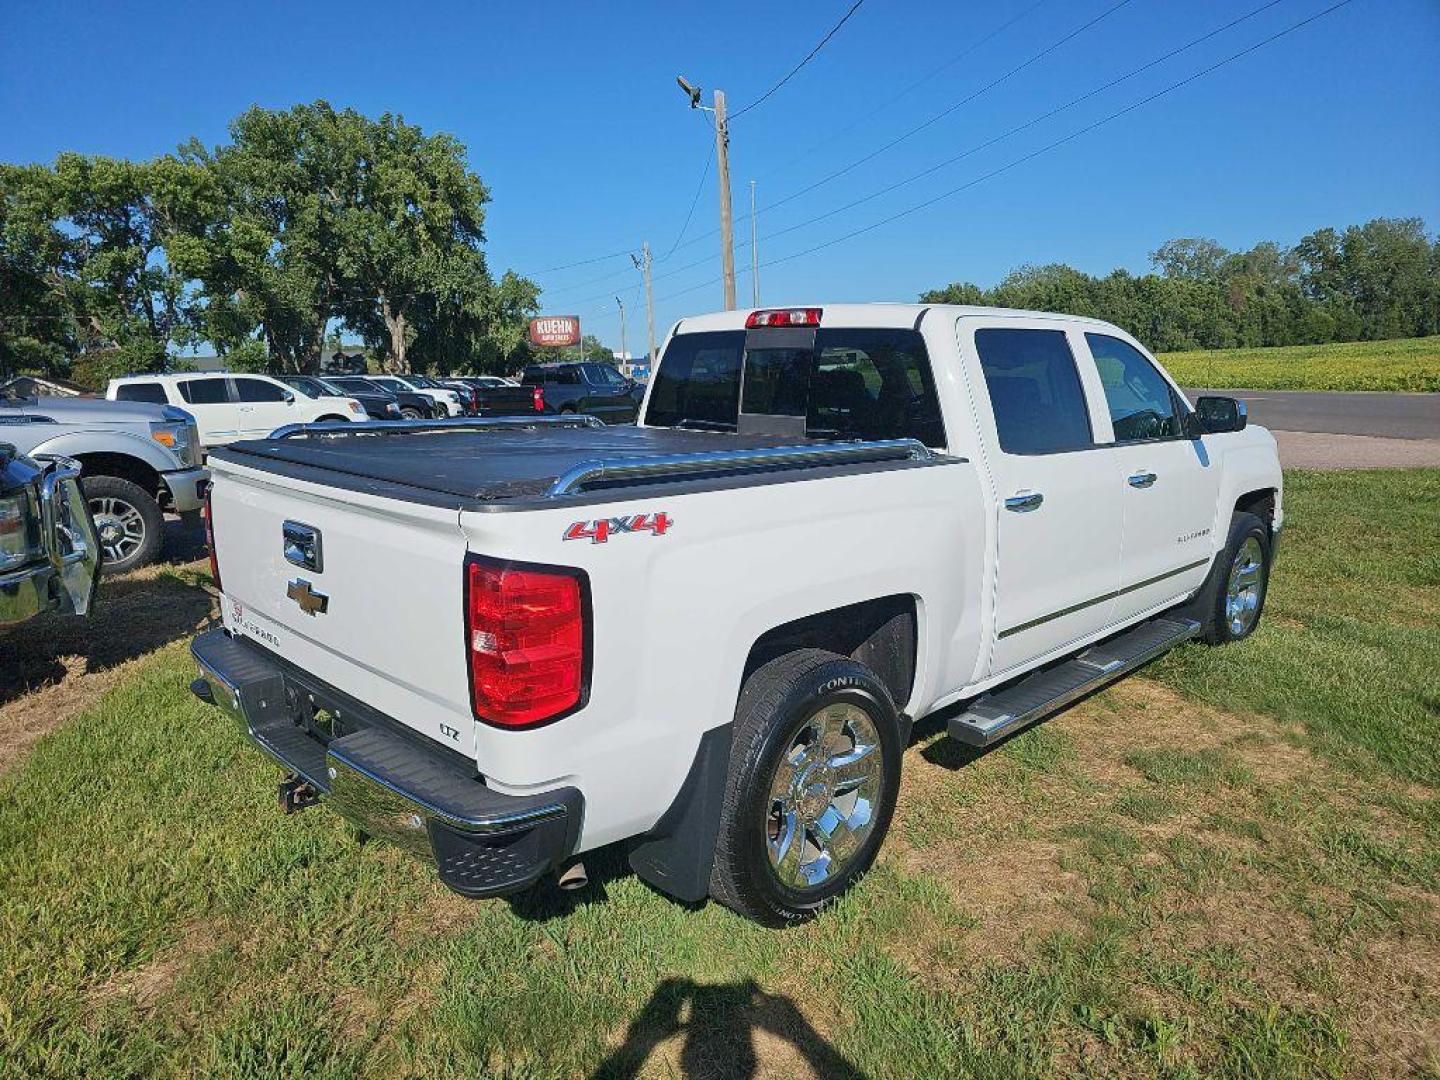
x: 526, y: 635
x: 805, y: 316
x: 537, y: 396
x: 209, y: 515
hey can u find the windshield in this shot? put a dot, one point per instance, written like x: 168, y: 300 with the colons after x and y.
x: 309, y: 387
x: 394, y: 385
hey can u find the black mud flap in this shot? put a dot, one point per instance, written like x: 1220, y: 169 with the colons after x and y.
x: 676, y: 856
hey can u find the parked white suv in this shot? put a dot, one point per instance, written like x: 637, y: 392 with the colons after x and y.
x: 709, y: 635
x: 227, y: 407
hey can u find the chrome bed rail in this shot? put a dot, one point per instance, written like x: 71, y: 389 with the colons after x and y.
x: 678, y: 466
x: 413, y: 427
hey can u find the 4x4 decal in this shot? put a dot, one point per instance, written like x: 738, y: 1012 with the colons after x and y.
x: 601, y: 529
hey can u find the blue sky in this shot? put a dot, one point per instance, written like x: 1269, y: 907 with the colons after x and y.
x: 572, y: 117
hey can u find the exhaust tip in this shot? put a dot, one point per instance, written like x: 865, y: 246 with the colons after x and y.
x: 573, y: 877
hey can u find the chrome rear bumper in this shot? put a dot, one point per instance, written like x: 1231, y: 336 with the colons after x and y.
x: 483, y: 842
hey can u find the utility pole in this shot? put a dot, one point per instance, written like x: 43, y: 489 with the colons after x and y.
x: 727, y: 226
x: 754, y: 252
x: 722, y: 158
x: 624, y: 353
x: 643, y: 265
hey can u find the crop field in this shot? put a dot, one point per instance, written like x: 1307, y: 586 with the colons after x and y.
x: 1409, y: 364
x: 1228, y: 865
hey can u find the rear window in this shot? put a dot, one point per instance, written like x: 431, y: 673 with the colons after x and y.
x: 141, y: 391
x: 852, y: 384
x: 1034, y: 390
x: 204, y: 391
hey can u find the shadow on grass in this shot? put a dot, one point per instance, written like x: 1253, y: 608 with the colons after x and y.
x: 134, y: 614
x: 718, y: 1023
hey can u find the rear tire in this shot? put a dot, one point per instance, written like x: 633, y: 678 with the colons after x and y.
x: 332, y: 420
x: 409, y: 413
x: 814, y: 774
x: 1233, y: 598
x: 128, y: 521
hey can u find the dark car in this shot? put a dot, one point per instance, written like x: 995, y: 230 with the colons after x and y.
x: 411, y: 406
x: 586, y: 387
x: 378, y: 404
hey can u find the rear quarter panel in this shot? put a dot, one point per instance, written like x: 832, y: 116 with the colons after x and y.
x: 675, y: 616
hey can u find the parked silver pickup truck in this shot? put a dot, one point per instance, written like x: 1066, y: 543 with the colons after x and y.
x: 49, y: 550
x: 137, y: 461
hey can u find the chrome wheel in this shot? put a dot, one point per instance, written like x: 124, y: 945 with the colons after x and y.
x: 120, y: 527
x: 1242, y: 591
x: 824, y: 796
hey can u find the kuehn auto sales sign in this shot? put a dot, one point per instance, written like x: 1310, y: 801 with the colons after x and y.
x: 555, y: 330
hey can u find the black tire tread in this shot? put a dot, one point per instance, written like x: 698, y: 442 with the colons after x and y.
x: 762, y: 698
x: 1207, y: 604
x: 100, y: 486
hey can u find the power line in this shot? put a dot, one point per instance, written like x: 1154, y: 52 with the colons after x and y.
x: 1049, y: 114
x: 1032, y: 59
x: 704, y: 175
x: 878, y: 109
x: 796, y: 69
x: 1023, y: 159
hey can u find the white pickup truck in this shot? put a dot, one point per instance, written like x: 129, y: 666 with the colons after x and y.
x: 505, y: 643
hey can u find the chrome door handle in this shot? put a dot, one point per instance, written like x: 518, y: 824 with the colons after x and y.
x: 1023, y: 504
x: 1141, y: 480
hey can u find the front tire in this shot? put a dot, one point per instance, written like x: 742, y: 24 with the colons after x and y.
x: 1234, y: 596
x: 127, y: 519
x: 814, y: 774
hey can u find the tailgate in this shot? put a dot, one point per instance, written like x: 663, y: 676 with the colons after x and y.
x: 506, y: 401
x: 380, y: 619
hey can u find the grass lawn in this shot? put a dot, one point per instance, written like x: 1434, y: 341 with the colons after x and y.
x: 1411, y: 364
x: 1228, y: 866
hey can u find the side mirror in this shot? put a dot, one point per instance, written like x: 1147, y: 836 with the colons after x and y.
x: 1218, y: 414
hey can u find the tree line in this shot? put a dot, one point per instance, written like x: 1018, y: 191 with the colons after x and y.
x: 306, y: 218
x: 1369, y: 282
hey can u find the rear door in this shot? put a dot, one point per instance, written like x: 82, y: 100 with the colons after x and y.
x: 1058, y: 533
x: 1168, y: 483
x: 207, y: 399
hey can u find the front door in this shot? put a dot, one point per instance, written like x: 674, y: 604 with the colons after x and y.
x: 1058, y: 533
x: 1169, y: 484
x: 264, y: 405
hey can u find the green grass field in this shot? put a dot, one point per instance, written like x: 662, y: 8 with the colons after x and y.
x: 1228, y: 866
x: 1410, y: 364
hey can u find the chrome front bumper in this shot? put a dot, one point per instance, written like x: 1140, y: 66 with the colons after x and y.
x: 63, y: 578
x: 393, y: 787
x: 187, y: 488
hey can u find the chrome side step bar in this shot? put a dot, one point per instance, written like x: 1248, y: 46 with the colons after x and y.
x: 993, y: 716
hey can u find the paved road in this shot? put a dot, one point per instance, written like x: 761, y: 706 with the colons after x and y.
x: 1391, y: 416
x: 1346, y: 431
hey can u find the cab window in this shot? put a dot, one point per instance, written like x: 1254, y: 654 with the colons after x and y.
x: 141, y: 391
x: 205, y: 391
x: 852, y: 383
x: 1142, y: 405
x: 1035, y: 391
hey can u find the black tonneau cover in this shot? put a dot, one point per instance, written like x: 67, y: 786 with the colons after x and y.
x: 470, y: 469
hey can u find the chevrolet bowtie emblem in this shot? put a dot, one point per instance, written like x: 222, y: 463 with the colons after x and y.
x: 310, y: 601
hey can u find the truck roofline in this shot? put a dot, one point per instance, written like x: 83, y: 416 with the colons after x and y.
x: 887, y: 315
